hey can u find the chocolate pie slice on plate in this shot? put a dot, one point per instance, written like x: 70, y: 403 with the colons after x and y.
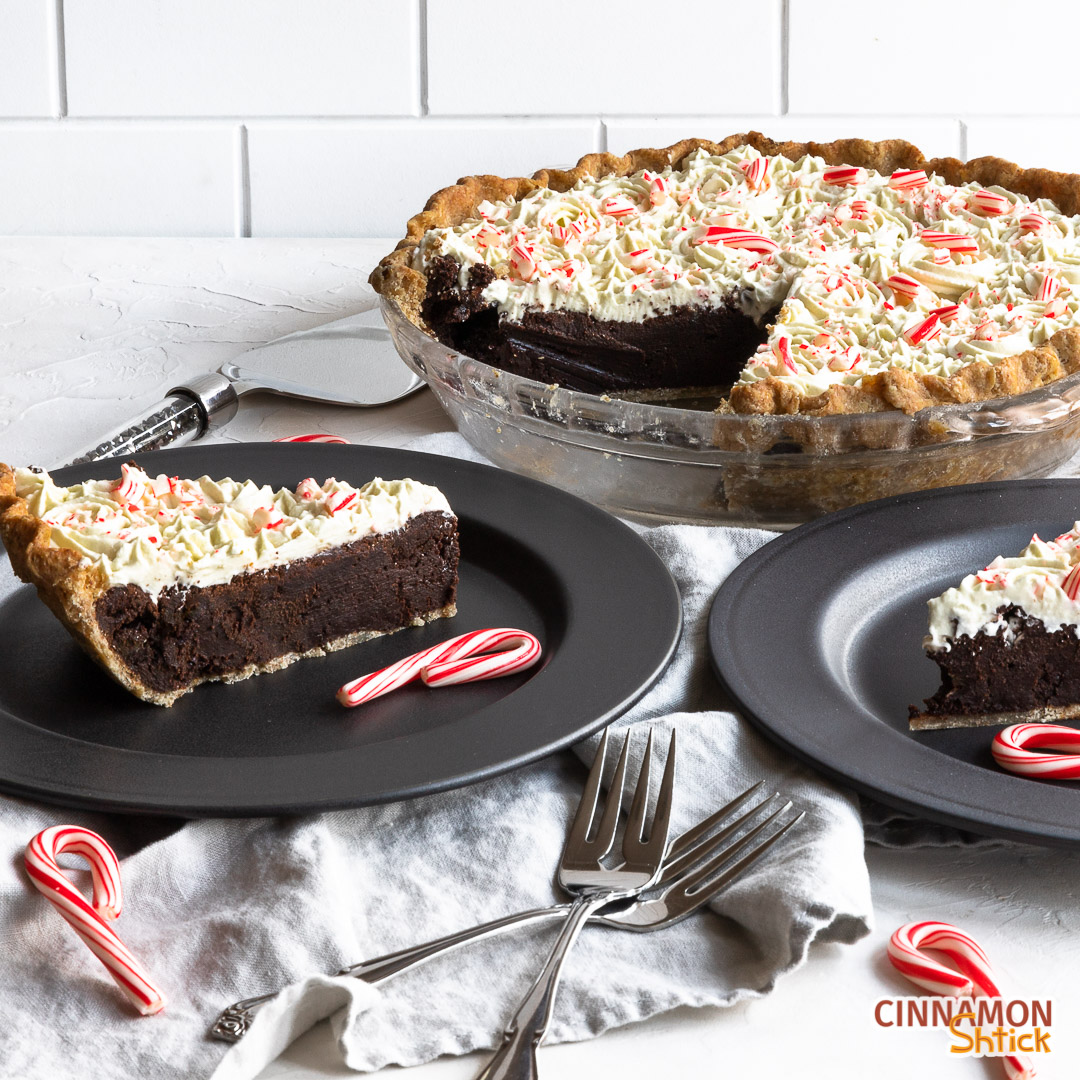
x: 1006, y: 641
x: 168, y: 582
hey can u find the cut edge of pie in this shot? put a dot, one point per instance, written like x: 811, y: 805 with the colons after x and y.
x: 72, y: 587
x: 1006, y: 640
x: 397, y: 279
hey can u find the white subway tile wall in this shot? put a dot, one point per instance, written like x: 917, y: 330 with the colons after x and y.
x: 339, y: 117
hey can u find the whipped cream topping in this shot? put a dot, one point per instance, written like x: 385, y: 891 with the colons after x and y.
x: 155, y: 532
x: 1043, y: 580
x: 869, y: 271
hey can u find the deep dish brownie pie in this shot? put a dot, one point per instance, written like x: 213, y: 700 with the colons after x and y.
x: 1006, y: 640
x: 169, y: 583
x: 816, y: 278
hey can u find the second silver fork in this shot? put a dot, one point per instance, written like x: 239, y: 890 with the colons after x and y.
x: 582, y: 873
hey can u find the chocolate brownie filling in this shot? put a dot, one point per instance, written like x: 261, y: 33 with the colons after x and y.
x: 196, y: 633
x: 689, y: 347
x: 990, y: 674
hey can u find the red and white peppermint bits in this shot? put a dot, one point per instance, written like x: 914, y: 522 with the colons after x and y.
x: 988, y: 203
x: 843, y: 175
x: 1032, y: 221
x: 781, y: 349
x: 131, y: 488
x: 908, y: 179
x: 1048, y: 288
x: 947, y: 313
x: 619, y: 207
x: 1013, y: 750
x: 860, y: 209
x: 658, y: 187
x: 522, y: 261
x: 974, y: 979
x: 922, y: 330
x: 904, y: 287
x: 755, y: 170
x: 737, y: 238
x: 955, y: 242
x: 318, y: 437
x: 458, y: 660
x: 1055, y: 309
x: 89, y: 920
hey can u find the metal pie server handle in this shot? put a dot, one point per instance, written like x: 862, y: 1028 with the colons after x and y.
x: 187, y: 413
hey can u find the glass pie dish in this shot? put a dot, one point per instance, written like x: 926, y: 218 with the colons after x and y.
x: 681, y: 461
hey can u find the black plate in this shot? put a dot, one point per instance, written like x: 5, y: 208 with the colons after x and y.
x: 532, y: 557
x: 818, y: 636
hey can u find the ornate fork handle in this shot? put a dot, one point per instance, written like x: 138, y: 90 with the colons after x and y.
x: 233, y: 1023
x: 515, y: 1059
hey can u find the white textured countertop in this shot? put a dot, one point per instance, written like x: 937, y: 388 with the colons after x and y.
x: 92, y: 330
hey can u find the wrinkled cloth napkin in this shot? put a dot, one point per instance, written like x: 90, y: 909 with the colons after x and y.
x: 220, y: 910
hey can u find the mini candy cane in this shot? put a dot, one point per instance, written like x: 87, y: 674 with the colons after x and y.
x: 454, y: 661
x: 313, y: 438
x: 975, y: 976
x: 89, y: 920
x: 1011, y: 750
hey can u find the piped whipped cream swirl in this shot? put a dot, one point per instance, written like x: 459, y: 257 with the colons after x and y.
x: 1043, y: 580
x: 872, y: 271
x: 155, y: 532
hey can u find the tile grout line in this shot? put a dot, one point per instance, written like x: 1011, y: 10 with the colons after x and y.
x: 58, y: 59
x: 785, y: 52
x: 422, y: 43
x: 243, y: 184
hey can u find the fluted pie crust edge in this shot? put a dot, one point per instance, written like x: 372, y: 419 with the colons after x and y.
x: 397, y: 279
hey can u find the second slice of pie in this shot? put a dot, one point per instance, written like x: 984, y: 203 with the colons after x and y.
x: 1006, y: 640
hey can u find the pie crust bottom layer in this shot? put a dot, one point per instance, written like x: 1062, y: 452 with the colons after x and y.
x: 1034, y: 676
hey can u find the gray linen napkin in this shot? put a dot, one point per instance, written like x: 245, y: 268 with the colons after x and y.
x: 220, y: 910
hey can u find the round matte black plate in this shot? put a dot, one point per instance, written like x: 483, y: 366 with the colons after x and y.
x: 818, y: 636
x: 602, y: 603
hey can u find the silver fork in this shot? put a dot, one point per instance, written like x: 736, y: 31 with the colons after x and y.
x: 694, y: 872
x: 582, y: 874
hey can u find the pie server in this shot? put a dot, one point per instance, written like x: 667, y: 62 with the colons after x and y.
x: 349, y: 361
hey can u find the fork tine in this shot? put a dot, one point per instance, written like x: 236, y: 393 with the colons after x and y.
x: 689, y: 838
x: 609, y: 823
x: 635, y: 825
x: 661, y: 821
x: 697, y: 879
x: 733, y: 871
x: 579, y: 831
x: 681, y: 864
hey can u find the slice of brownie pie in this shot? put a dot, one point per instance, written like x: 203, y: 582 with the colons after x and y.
x: 1007, y: 642
x: 169, y: 583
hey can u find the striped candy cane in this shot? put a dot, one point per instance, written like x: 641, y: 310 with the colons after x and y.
x: 89, y: 920
x: 1011, y: 748
x: 974, y: 978
x: 318, y: 437
x: 455, y: 661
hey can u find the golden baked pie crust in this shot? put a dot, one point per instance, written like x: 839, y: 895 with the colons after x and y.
x: 397, y: 278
